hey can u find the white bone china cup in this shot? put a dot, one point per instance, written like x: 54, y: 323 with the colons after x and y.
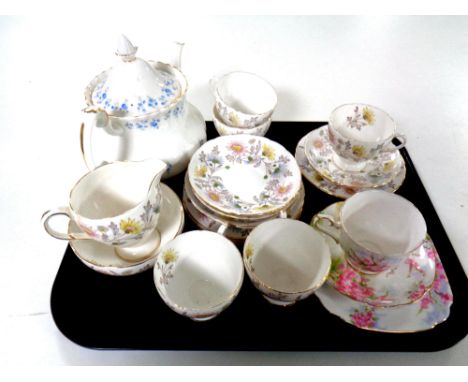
x: 360, y: 132
x: 377, y: 230
x: 243, y: 99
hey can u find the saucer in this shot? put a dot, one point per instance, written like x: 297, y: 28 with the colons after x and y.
x: 244, y: 175
x: 102, y: 258
x: 236, y: 230
x: 405, y: 284
x: 424, y: 314
x: 376, y: 173
x: 334, y: 189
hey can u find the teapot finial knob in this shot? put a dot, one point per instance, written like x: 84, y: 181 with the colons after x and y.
x: 125, y: 49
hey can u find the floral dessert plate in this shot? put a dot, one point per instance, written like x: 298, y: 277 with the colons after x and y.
x: 376, y: 173
x: 424, y: 314
x: 244, y: 175
x: 334, y: 189
x: 236, y: 230
x: 405, y: 284
x: 102, y: 258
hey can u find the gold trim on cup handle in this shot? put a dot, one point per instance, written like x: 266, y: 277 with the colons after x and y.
x: 60, y: 235
x: 335, y: 223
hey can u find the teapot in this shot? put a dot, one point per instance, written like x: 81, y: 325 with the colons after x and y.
x: 138, y: 110
x: 116, y: 204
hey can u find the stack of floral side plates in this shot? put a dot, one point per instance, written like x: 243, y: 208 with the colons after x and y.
x: 412, y: 297
x: 315, y: 156
x: 234, y: 183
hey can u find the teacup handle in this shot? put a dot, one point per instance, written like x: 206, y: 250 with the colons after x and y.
x: 335, y: 223
x: 61, y: 235
x: 402, y: 138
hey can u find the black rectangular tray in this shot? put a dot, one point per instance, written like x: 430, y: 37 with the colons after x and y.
x: 108, y: 312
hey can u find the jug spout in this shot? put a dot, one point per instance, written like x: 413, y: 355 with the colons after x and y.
x: 154, y: 168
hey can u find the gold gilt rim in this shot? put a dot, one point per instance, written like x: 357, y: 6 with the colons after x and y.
x: 235, y: 217
x: 268, y: 287
x: 330, y: 179
x: 388, y: 330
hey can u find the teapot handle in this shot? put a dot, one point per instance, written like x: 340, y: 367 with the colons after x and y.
x: 177, y: 60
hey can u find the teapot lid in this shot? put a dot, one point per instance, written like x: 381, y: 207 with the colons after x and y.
x: 134, y: 87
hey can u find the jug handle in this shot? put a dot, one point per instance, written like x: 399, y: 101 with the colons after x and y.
x: 61, y: 235
x: 335, y: 223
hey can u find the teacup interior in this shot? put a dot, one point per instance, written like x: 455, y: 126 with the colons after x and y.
x: 207, y: 272
x: 110, y: 190
x: 288, y: 255
x: 247, y: 93
x: 382, y: 222
x: 363, y: 122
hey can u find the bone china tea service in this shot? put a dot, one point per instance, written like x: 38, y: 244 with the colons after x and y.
x: 368, y: 259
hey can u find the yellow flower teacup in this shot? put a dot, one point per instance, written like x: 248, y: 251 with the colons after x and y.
x: 359, y: 133
x: 112, y: 204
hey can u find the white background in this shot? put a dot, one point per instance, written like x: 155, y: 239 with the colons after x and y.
x: 416, y: 68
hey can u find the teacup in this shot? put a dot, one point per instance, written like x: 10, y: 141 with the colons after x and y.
x: 286, y: 260
x: 117, y: 204
x: 377, y: 230
x: 243, y: 99
x: 224, y: 129
x: 198, y: 274
x: 359, y: 133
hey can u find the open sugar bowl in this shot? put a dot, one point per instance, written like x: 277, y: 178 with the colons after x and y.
x: 199, y: 274
x: 286, y: 260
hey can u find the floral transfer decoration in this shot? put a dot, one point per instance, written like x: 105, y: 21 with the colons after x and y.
x: 404, y: 284
x: 249, y: 252
x: 377, y: 172
x: 165, y: 264
x: 279, y: 183
x: 427, y: 311
x: 122, y: 231
x: 361, y: 119
x: 169, y: 91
